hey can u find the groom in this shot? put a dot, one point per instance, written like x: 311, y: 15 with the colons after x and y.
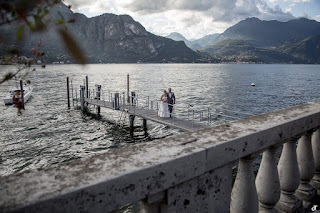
x: 171, y: 99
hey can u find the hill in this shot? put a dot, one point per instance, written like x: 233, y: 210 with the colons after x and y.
x: 307, y: 49
x: 271, y: 33
x: 107, y: 38
x: 194, y: 44
x: 231, y: 50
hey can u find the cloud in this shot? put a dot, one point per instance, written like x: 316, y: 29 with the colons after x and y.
x: 289, y: 1
x: 218, y: 10
x: 192, y: 18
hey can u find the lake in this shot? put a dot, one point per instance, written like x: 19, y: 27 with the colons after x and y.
x: 48, y: 133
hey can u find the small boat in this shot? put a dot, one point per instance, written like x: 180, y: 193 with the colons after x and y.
x: 27, y: 91
x: 253, y: 84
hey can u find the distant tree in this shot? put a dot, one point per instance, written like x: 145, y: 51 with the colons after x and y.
x: 33, y: 14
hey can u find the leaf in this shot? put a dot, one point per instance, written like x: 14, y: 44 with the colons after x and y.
x: 20, y: 32
x: 60, y: 21
x: 6, y: 77
x: 72, y: 46
x: 71, y: 20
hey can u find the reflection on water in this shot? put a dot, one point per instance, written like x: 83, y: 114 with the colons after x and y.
x: 49, y: 133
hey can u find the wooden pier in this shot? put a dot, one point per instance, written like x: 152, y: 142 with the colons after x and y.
x: 129, y: 105
x: 148, y: 114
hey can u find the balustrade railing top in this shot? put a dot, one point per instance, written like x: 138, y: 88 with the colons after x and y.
x: 108, y: 181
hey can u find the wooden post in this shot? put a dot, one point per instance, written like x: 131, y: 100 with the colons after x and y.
x: 116, y: 101
x: 144, y: 124
x: 87, y: 88
x: 128, y: 98
x: 72, y: 94
x: 83, y: 108
x: 131, y: 119
x: 98, y: 96
x: 21, y: 93
x: 68, y: 92
x: 123, y: 101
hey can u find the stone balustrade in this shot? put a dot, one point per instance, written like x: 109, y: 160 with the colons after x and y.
x: 191, y: 172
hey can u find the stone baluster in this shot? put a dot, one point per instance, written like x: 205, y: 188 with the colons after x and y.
x: 244, y: 194
x: 315, y: 182
x: 289, y: 178
x: 154, y: 203
x: 267, y: 181
x: 305, y: 191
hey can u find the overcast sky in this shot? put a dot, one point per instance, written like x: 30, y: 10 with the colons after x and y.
x: 197, y: 18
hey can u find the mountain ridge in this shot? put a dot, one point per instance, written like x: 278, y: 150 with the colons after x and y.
x: 107, y: 38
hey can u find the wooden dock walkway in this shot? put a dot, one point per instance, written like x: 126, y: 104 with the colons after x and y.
x: 148, y: 114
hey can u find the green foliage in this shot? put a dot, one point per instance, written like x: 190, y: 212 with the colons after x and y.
x: 20, y: 32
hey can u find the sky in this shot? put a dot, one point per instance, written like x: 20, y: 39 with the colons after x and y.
x: 197, y: 18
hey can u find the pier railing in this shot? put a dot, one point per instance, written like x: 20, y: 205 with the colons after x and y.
x: 191, y: 172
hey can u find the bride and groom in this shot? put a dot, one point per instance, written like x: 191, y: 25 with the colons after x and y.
x: 167, y: 101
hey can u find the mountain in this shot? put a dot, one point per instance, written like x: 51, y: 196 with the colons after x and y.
x: 307, y: 49
x: 207, y: 40
x: 107, y: 38
x: 231, y: 50
x: 271, y: 33
x: 176, y: 37
x: 195, y: 44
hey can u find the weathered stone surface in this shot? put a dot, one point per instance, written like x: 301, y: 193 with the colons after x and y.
x: 244, y: 197
x: 210, y: 192
x: 105, y: 182
x: 289, y: 176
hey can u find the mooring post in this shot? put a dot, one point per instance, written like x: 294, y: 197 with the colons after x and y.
x: 72, y: 94
x: 131, y: 119
x: 68, y: 92
x: 83, y: 108
x: 21, y: 93
x: 123, y: 101
x: 157, y: 109
x: 128, y: 96
x: 116, y: 101
x: 144, y: 124
x: 98, y: 96
x: 87, y: 88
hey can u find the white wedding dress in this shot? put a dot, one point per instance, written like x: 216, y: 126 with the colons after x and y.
x: 163, y: 109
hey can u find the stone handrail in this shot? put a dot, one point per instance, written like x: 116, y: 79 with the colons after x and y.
x: 191, y: 172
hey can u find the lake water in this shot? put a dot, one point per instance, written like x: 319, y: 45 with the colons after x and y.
x: 48, y: 133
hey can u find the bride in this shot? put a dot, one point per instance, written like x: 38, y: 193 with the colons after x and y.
x: 164, y: 110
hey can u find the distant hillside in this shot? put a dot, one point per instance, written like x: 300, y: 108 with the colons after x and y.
x: 194, y: 44
x: 307, y: 49
x: 176, y: 37
x: 271, y: 33
x: 231, y: 50
x: 107, y: 38
x: 207, y: 40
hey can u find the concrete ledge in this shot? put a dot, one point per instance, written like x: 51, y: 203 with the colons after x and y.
x: 106, y: 182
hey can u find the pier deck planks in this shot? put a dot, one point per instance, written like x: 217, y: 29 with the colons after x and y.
x: 185, y: 125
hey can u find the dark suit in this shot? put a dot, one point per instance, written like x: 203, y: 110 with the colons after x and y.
x: 171, y: 101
